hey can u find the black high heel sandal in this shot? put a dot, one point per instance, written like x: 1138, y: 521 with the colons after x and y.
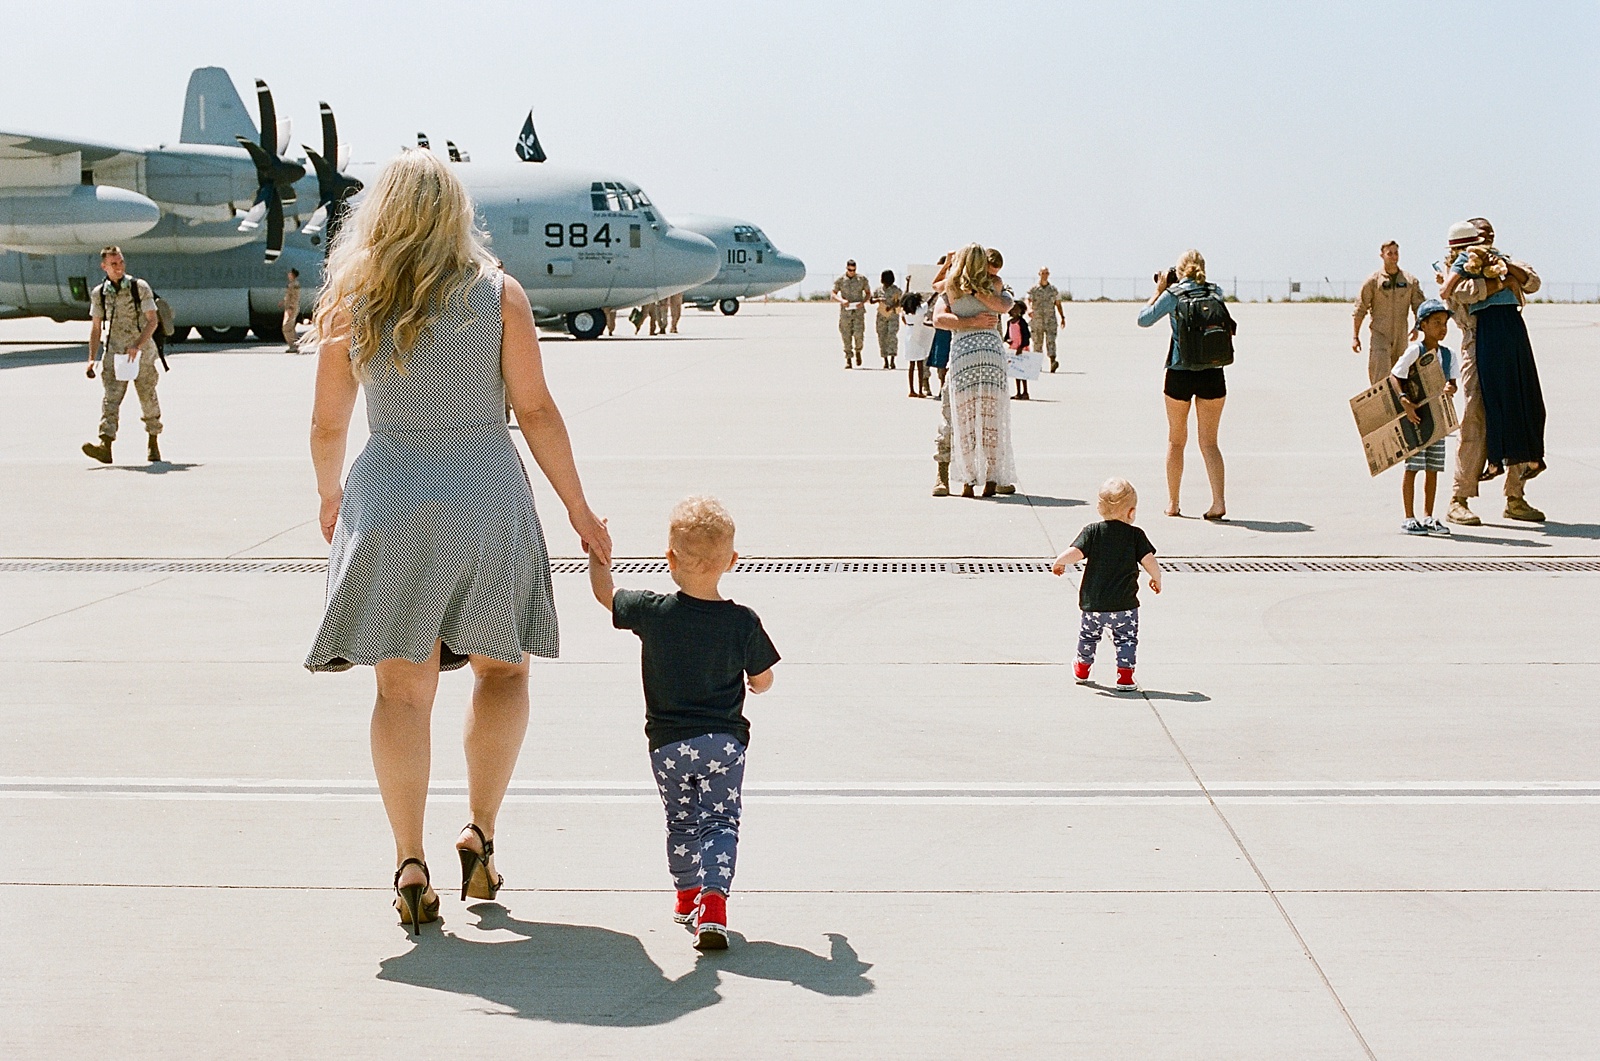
x: 409, y: 901
x: 472, y: 861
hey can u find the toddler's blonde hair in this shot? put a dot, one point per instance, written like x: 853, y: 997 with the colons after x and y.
x: 1117, y: 496
x: 701, y: 530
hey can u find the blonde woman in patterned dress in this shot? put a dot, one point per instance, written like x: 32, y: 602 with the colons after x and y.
x: 438, y: 559
x: 980, y: 405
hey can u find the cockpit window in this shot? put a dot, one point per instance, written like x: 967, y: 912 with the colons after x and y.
x: 746, y: 234
x: 612, y: 197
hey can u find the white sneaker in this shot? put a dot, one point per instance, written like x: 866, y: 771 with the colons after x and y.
x: 1413, y: 526
x: 1435, y: 528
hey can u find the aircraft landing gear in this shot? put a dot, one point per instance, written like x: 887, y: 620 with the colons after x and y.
x: 586, y: 323
x: 728, y: 306
x: 267, y: 329
x: 223, y: 335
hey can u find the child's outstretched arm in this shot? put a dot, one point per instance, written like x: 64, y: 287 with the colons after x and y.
x: 1066, y: 560
x: 1153, y: 569
x: 600, y: 580
x: 760, y: 683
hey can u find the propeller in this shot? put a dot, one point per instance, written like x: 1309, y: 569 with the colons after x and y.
x: 422, y: 141
x: 456, y: 154
x: 275, y: 174
x: 528, y: 147
x: 334, y: 189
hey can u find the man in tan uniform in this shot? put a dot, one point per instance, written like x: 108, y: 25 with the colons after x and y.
x: 851, y: 291
x: 1391, y: 295
x: 674, y: 311
x: 1471, y: 441
x: 291, y: 311
x: 887, y: 318
x: 1044, y: 312
x: 128, y: 307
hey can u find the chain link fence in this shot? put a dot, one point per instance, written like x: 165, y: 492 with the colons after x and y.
x: 1139, y: 289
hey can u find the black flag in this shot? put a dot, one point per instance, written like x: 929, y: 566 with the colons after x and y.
x: 528, y: 148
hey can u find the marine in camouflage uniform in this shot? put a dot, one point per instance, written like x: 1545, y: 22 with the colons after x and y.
x: 128, y: 306
x: 1044, y: 312
x: 888, y: 319
x: 852, y: 289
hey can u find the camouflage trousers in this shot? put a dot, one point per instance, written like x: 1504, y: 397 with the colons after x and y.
x: 888, y: 338
x: 1044, y: 338
x: 853, y: 330
x: 941, y: 438
x: 116, y: 390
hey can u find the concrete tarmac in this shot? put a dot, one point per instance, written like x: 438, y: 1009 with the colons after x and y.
x: 1352, y: 815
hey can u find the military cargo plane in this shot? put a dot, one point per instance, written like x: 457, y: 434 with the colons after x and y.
x: 193, y: 217
x: 749, y: 265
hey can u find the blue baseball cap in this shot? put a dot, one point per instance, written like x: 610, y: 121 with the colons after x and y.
x: 1429, y: 308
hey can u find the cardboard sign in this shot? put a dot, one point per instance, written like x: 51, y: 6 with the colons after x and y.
x: 1023, y: 365
x: 1387, y: 436
x: 920, y: 278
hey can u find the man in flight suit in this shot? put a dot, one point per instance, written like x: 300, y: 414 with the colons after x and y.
x: 1044, y: 310
x: 1392, y: 296
x: 291, y: 311
x: 887, y: 318
x: 851, y: 291
x: 128, y: 308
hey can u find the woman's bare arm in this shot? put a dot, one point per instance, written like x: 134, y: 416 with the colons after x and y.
x: 540, y: 420
x: 333, y: 402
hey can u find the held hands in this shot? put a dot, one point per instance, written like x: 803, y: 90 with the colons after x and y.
x: 592, y: 533
x: 328, y: 516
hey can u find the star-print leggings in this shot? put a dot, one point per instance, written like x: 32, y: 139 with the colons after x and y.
x: 1124, y: 635
x: 700, y: 780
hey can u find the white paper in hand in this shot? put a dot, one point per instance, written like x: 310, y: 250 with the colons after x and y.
x: 127, y: 368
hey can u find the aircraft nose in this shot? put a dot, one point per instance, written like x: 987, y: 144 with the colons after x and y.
x: 788, y: 268
x: 685, y: 259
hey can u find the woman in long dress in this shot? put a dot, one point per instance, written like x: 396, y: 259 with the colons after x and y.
x: 438, y: 560
x: 980, y: 406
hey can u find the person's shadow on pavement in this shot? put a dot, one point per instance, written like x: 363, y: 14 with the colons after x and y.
x: 582, y: 974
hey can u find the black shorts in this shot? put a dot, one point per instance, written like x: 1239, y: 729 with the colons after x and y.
x: 1185, y: 383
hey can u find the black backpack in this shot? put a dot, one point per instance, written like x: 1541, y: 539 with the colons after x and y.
x: 163, y: 316
x: 1205, y: 328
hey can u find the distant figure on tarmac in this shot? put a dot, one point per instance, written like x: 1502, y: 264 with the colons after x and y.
x: 887, y: 319
x: 851, y: 291
x: 126, y: 308
x: 1391, y: 295
x: 1044, y: 313
x: 1502, y: 427
x: 1207, y: 388
x: 291, y: 311
x: 980, y: 407
x: 611, y: 320
x: 674, y: 311
x: 438, y: 560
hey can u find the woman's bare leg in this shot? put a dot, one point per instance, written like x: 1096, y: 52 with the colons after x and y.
x: 1208, y: 414
x: 1177, y: 439
x: 497, y: 721
x: 402, y: 750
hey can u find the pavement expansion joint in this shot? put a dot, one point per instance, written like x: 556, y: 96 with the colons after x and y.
x: 1306, y: 565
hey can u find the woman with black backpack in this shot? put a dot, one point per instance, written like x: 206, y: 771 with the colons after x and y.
x: 1202, y: 343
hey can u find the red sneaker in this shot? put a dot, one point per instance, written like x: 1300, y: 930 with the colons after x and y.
x: 711, y: 922
x: 1125, y: 682
x: 1080, y: 672
x: 683, y: 913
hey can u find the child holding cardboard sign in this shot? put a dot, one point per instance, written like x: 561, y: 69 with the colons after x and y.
x: 1433, y: 318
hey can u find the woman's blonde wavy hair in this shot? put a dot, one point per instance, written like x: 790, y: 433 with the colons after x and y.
x: 1192, y: 267
x: 970, y: 273
x: 409, y: 247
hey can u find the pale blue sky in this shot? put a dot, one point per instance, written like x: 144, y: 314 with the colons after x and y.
x: 1282, y: 139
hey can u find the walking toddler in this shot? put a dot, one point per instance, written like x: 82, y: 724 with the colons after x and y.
x: 699, y: 652
x: 1433, y: 319
x: 1019, y: 340
x: 1113, y: 551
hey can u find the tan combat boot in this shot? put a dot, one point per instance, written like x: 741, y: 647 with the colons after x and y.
x: 942, y: 487
x: 1460, y: 513
x: 100, y: 451
x: 1518, y: 508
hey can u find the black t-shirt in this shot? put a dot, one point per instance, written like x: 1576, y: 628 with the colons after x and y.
x: 695, y: 655
x: 1112, y: 550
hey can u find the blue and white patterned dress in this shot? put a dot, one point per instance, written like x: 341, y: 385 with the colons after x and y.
x: 980, y: 403
x: 437, y: 538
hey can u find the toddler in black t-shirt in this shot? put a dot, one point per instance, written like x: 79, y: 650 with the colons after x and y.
x: 699, y: 652
x: 1113, y: 550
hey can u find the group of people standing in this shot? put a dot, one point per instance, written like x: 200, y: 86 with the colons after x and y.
x: 1502, y: 424
x: 662, y: 316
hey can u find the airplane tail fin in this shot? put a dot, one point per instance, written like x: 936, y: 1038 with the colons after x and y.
x: 213, y: 113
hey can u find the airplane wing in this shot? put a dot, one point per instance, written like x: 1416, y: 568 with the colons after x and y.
x: 19, y: 147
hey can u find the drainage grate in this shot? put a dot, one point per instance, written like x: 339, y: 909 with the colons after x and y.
x: 821, y: 566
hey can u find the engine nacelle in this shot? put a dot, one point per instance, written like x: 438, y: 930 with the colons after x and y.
x: 73, y: 218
